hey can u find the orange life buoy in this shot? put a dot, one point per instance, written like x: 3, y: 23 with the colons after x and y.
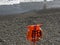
x: 34, y: 32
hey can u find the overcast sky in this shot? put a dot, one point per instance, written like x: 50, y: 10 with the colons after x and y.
x: 8, y: 2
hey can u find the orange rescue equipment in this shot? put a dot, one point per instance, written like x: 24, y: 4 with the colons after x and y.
x: 34, y: 32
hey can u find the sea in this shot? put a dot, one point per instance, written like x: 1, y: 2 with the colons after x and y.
x: 23, y: 7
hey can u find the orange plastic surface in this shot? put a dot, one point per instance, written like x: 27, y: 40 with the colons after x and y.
x: 34, y: 33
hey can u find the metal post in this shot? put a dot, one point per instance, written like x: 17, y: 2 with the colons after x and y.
x: 45, y: 4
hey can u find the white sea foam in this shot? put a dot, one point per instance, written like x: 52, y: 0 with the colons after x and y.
x: 11, y: 2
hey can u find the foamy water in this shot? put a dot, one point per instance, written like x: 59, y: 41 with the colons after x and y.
x: 21, y: 7
x: 11, y: 2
